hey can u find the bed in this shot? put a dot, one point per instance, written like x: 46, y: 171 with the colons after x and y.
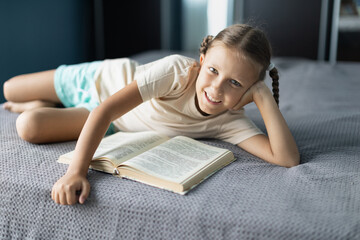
x: 248, y: 199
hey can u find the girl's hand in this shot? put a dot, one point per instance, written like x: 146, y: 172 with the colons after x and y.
x: 279, y: 146
x: 251, y: 94
x: 65, y: 189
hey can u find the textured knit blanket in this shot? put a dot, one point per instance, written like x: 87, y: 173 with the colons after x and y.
x: 248, y: 199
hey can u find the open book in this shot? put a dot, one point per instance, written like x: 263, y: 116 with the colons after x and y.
x: 176, y: 164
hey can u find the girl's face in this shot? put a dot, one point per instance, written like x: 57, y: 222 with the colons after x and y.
x: 225, y: 75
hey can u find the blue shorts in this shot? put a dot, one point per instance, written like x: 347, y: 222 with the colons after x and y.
x: 75, y: 86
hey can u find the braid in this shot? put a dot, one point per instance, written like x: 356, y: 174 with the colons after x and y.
x: 205, y: 44
x: 275, y: 84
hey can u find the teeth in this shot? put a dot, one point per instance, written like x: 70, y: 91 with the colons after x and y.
x: 211, y: 99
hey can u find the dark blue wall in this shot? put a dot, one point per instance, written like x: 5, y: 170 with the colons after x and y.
x: 39, y: 35
x: 292, y: 26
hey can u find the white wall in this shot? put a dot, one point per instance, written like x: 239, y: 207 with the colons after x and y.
x: 204, y: 17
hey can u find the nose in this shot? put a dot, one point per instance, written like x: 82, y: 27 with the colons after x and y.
x: 217, y: 86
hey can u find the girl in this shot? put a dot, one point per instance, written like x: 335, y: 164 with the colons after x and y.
x: 174, y: 95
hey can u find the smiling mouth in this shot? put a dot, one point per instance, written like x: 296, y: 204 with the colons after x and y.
x: 212, y: 100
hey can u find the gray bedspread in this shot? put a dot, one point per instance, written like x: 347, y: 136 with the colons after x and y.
x: 249, y: 199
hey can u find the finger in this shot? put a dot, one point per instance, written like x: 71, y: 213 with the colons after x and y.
x: 71, y: 197
x: 85, y: 192
x: 243, y: 101
x: 57, y: 198
x: 238, y: 106
x: 52, y: 194
x: 62, y: 198
x: 246, y: 98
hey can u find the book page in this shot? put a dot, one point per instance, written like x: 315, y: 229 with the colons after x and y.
x: 122, y: 146
x: 177, y: 159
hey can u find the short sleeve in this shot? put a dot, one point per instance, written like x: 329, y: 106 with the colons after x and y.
x: 166, y: 77
x: 113, y: 75
x: 238, y: 127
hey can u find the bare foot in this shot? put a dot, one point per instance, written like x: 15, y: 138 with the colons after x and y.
x: 21, y: 107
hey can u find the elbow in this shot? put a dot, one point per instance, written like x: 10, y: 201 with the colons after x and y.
x: 291, y: 164
x: 101, y: 113
x: 99, y: 117
x: 290, y: 161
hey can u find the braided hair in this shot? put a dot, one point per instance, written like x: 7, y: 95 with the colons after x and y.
x: 205, y: 44
x: 253, y: 43
x: 275, y: 84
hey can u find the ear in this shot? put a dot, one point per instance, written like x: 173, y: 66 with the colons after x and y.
x: 202, y: 57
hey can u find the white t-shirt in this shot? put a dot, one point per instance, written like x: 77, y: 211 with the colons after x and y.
x: 167, y: 87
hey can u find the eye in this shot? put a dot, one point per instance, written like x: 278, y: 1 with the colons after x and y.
x: 235, y: 83
x: 213, y: 70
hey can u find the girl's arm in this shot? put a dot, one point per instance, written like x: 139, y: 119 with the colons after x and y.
x: 279, y: 146
x: 65, y: 189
